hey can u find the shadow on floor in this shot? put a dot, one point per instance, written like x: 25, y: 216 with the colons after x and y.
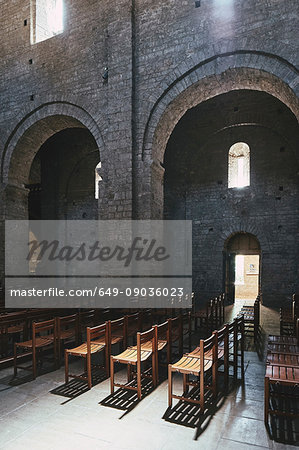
x: 189, y: 415
x: 126, y: 400
x: 282, y: 428
x: 76, y: 387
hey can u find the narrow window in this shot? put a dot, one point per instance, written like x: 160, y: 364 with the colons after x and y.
x: 239, y: 165
x: 46, y: 19
x: 98, y: 178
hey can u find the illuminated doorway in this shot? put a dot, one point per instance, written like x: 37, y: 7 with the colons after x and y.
x: 242, y: 267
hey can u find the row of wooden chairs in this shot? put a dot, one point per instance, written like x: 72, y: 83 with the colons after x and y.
x: 123, y: 330
x: 282, y: 376
x: 288, y: 317
x: 56, y: 333
x: 17, y: 326
x: 222, y: 348
x: 211, y: 316
x: 251, y: 316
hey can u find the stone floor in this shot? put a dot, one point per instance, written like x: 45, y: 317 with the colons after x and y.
x: 32, y: 417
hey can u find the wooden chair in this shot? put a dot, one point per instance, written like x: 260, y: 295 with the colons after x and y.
x: 279, y: 375
x: 220, y: 353
x: 199, y: 366
x: 97, y: 341
x: 251, y: 316
x: 67, y: 331
x: 43, y: 337
x: 135, y: 356
x: 13, y: 326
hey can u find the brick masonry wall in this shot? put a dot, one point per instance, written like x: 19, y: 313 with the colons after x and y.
x: 155, y: 52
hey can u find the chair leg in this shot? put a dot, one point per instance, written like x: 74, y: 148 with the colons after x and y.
x: 169, y: 386
x: 266, y: 410
x: 15, y: 360
x: 154, y: 368
x: 88, y: 364
x: 34, y: 362
x: 139, y: 380
x: 185, y: 383
x: 66, y: 366
x: 107, y: 365
x: 112, y: 375
x: 242, y: 359
x: 202, y: 391
x: 129, y: 372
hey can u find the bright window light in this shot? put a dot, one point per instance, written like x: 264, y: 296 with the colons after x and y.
x: 47, y: 19
x: 98, y: 178
x: 239, y: 165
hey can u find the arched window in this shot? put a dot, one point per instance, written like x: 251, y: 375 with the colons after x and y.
x: 98, y: 178
x: 239, y: 165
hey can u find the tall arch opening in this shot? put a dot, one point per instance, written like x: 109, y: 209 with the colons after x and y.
x: 197, y: 187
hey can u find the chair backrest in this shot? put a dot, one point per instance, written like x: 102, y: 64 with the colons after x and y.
x: 68, y: 323
x: 97, y: 332
x: 46, y: 328
x: 118, y: 328
x: 186, y: 321
x: 175, y: 327
x: 87, y: 318
x: 102, y: 315
x: 145, y: 341
x: 207, y: 347
x: 146, y: 319
x: 162, y: 331
x: 133, y: 321
x: 222, y: 336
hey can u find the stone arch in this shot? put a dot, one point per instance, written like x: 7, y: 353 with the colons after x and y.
x: 215, y: 76
x: 199, y: 85
x: 34, y: 129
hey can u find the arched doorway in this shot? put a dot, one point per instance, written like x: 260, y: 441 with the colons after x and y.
x: 242, y: 262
